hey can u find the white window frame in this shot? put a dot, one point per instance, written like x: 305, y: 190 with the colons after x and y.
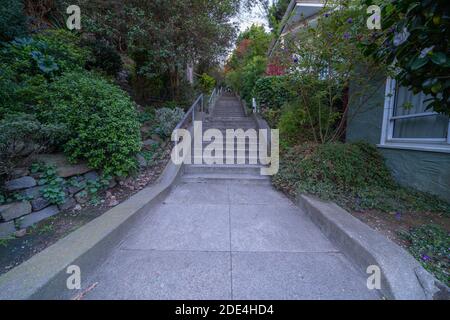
x: 387, y: 130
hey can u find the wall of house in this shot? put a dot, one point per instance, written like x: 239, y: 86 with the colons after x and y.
x: 425, y: 171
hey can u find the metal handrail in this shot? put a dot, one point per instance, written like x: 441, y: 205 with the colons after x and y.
x: 191, y: 112
x: 213, y: 99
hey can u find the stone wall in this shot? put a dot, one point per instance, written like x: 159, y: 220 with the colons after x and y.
x: 19, y: 215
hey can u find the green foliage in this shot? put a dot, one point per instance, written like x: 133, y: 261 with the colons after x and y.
x: 292, y: 125
x: 101, y: 121
x: 272, y: 116
x: 93, y: 187
x: 353, y: 175
x: 415, y: 40
x: 271, y: 92
x: 104, y: 57
x: 326, y: 58
x: 275, y: 14
x: 250, y: 74
x: 206, y: 83
x: 12, y: 20
x: 48, y: 53
x: 53, y: 185
x: 22, y: 135
x: 248, y: 61
x: 429, y: 244
x: 167, y: 120
x: 28, y: 64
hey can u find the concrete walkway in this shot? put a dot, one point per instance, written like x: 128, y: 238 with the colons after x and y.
x: 225, y: 233
x: 227, y: 241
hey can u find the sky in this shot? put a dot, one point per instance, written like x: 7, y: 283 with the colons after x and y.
x: 255, y: 16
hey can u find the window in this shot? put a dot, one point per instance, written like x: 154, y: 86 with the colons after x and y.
x: 407, y: 124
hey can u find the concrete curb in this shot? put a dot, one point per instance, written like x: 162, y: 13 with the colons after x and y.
x: 402, y: 277
x: 44, y: 275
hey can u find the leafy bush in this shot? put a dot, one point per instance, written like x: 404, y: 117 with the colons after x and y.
x: 12, y: 20
x: 271, y: 92
x: 206, y: 83
x: 101, y: 120
x: 250, y: 74
x: 49, y: 53
x: 272, y: 116
x: 22, y: 135
x: 414, y: 39
x: 291, y: 125
x: 429, y: 244
x: 167, y: 120
x: 353, y: 174
x: 104, y: 57
x: 28, y: 64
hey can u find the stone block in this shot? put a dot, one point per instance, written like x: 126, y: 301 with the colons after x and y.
x: 14, y: 210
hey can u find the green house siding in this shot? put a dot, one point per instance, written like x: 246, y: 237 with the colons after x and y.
x: 423, y: 170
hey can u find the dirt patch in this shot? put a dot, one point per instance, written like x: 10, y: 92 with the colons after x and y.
x: 393, y: 224
x: 17, y: 250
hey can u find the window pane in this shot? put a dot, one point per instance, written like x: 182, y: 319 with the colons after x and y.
x: 421, y: 127
x: 408, y: 103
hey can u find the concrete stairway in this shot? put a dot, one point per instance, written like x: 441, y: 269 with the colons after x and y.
x: 228, y: 114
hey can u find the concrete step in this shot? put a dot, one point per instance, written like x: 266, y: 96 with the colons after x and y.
x: 227, y: 178
x: 223, y: 169
x: 236, y: 160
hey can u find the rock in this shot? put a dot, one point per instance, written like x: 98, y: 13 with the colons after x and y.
x: 112, y: 183
x: 68, y: 204
x: 92, y: 175
x: 147, y: 144
x: 39, y: 204
x: 7, y: 229
x: 77, y: 208
x: 20, y: 183
x: 64, y: 168
x: 113, y: 202
x: 156, y: 137
x: 141, y: 160
x: 20, y: 233
x: 81, y: 184
x: 32, y: 193
x: 20, y: 172
x: 37, y: 216
x: 81, y: 197
x: 15, y: 210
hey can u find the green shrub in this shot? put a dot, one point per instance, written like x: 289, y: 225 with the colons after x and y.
x: 12, y: 20
x: 22, y: 135
x: 354, y: 175
x: 101, y: 119
x: 167, y: 120
x: 49, y: 53
x: 271, y: 92
x: 272, y: 116
x: 104, y: 57
x: 292, y: 125
x: 429, y: 244
x: 206, y: 83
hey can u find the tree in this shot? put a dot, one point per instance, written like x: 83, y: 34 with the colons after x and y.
x: 276, y: 13
x: 163, y: 36
x: 248, y: 61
